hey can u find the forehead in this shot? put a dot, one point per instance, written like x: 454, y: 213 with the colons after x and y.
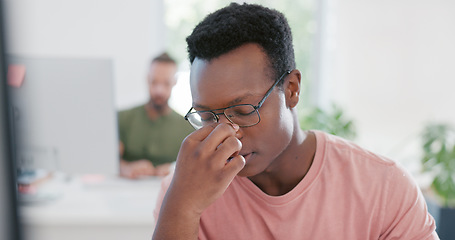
x: 238, y: 76
x: 163, y: 70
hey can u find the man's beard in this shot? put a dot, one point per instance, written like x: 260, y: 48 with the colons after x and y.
x: 159, y: 106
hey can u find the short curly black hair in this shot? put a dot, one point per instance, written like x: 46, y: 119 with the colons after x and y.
x: 235, y: 25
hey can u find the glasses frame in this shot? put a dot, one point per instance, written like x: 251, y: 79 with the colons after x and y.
x: 216, y: 115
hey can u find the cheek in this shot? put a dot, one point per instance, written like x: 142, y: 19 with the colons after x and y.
x: 280, y: 118
x: 275, y: 130
x: 162, y: 90
x: 285, y: 122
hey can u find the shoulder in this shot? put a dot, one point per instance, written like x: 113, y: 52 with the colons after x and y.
x: 127, y: 114
x: 132, y: 110
x: 366, y: 173
x: 353, y: 158
x: 373, y: 171
x: 382, y: 181
x: 179, y: 122
x: 405, y: 211
x: 335, y: 147
x: 176, y: 116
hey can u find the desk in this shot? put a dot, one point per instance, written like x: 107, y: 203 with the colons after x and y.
x: 94, y: 208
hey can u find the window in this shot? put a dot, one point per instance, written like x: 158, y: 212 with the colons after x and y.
x: 181, y: 16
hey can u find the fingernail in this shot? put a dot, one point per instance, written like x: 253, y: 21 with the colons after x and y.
x: 235, y: 126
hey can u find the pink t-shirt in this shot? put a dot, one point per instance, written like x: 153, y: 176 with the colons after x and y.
x: 348, y: 193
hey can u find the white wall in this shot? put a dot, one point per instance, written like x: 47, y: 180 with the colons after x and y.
x: 394, y: 70
x: 129, y: 32
x: 389, y: 63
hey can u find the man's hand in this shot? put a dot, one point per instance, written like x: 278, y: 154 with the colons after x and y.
x: 163, y: 169
x: 136, y: 169
x: 202, y: 174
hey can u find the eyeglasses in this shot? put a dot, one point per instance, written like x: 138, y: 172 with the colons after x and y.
x: 244, y: 115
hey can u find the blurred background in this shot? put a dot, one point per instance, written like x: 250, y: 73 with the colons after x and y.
x: 377, y: 72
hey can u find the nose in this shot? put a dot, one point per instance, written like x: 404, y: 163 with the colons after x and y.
x: 222, y: 118
x: 159, y: 89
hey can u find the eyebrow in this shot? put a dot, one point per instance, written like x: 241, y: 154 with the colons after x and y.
x: 231, y: 103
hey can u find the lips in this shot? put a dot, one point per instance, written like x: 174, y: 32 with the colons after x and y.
x: 247, y: 156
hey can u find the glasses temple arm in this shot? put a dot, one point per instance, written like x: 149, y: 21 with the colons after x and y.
x: 270, y: 89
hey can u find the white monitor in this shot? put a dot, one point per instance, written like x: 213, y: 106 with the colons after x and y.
x: 64, y: 115
x: 10, y: 226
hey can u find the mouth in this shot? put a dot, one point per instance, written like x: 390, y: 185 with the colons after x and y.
x: 247, y: 156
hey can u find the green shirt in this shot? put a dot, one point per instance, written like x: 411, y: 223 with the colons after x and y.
x: 157, y: 140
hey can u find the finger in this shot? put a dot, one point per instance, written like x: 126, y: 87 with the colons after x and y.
x: 200, y: 134
x: 126, y: 174
x: 134, y: 175
x: 234, y: 166
x: 148, y: 171
x: 145, y: 163
x: 145, y: 166
x: 230, y: 147
x: 162, y: 172
x: 204, y: 132
x: 144, y: 171
x: 218, y: 136
x: 164, y: 167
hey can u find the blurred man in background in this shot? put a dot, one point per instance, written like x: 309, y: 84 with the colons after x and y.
x: 151, y: 134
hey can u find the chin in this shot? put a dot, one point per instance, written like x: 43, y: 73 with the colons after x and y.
x: 159, y: 102
x: 159, y: 106
x: 243, y: 173
x: 248, y: 171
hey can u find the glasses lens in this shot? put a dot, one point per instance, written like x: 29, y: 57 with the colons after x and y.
x: 200, y: 119
x: 242, y: 115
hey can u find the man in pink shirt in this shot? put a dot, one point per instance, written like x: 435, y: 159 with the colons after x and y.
x: 250, y: 172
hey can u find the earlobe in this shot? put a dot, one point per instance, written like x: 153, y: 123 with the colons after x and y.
x: 293, y: 88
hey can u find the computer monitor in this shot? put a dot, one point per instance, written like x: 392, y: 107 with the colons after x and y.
x: 64, y: 114
x: 9, y: 227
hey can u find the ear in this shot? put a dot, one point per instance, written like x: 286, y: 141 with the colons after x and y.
x: 174, y: 80
x: 292, y: 88
x: 147, y: 78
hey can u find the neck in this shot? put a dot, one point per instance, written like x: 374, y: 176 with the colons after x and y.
x: 283, y: 174
x: 155, y: 112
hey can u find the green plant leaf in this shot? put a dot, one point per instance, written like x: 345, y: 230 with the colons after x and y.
x: 438, y: 158
x: 331, y: 121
